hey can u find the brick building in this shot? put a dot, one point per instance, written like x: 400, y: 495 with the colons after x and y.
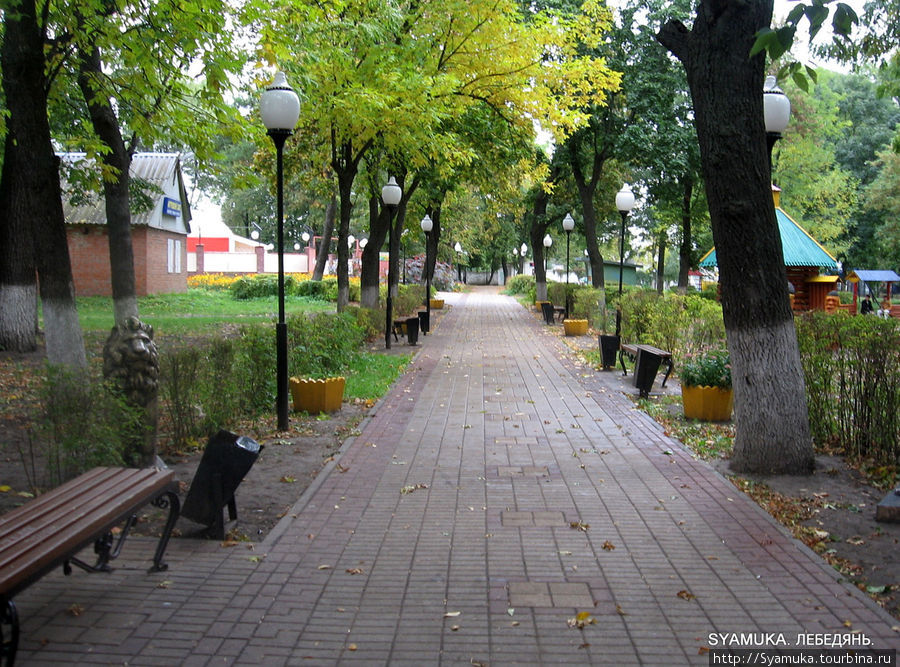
x: 158, y: 231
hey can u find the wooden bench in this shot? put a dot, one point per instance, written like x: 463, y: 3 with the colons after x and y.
x: 552, y: 313
x: 632, y: 349
x: 51, y: 529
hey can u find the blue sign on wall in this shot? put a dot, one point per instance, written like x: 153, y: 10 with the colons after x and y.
x: 171, y: 207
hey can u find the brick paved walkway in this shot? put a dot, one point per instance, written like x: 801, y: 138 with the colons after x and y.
x: 497, y: 491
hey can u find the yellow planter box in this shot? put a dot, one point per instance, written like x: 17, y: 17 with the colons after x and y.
x: 537, y: 305
x: 316, y: 396
x: 575, y: 327
x: 437, y: 304
x: 711, y: 404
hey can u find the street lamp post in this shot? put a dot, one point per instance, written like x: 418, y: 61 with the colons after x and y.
x: 390, y: 195
x: 568, y: 225
x: 403, y: 253
x: 523, y: 251
x: 279, y: 107
x: 777, y: 113
x: 547, y: 243
x: 427, y: 225
x: 624, y: 202
x: 458, y: 248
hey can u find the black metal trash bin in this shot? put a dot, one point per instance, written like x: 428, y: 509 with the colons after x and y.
x: 609, y: 347
x: 424, y: 322
x: 226, y: 459
x: 547, y: 312
x: 412, y: 330
x: 646, y: 366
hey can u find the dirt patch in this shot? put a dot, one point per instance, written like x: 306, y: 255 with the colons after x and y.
x: 284, y: 469
x: 833, y: 512
x: 287, y: 465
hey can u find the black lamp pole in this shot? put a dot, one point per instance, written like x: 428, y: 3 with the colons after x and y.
x: 281, y: 369
x: 280, y: 110
x: 776, y: 113
x: 426, y: 225
x: 568, y: 225
x: 624, y: 203
x: 390, y: 195
x: 389, y: 302
x: 624, y: 215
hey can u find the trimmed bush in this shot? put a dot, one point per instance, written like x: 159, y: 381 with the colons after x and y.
x: 314, y: 289
x: 80, y: 422
x: 322, y: 345
x: 370, y: 320
x: 682, y: 324
x: 587, y: 305
x: 519, y: 284
x: 851, y: 366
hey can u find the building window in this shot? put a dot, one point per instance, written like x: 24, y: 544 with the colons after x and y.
x: 174, y: 256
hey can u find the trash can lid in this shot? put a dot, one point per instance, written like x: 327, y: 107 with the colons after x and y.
x: 247, y: 443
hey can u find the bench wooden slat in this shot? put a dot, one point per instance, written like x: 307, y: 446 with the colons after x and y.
x: 34, y: 537
x: 67, y: 505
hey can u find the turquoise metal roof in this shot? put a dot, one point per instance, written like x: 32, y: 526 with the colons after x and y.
x: 800, y: 249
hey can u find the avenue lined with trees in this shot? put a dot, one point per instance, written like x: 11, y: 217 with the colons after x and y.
x: 496, y: 119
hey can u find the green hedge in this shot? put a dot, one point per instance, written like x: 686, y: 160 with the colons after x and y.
x: 851, y: 366
x: 266, y: 285
x: 680, y: 323
x: 519, y: 284
x: 216, y: 384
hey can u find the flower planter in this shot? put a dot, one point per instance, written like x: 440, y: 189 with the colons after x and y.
x: 316, y: 396
x: 437, y: 304
x: 575, y: 327
x: 712, y: 404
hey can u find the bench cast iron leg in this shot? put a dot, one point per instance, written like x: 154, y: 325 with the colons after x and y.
x: 168, y: 499
x: 103, y: 547
x: 669, y: 366
x: 622, y: 361
x: 8, y: 647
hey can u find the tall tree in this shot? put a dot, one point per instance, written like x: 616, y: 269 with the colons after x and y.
x: 26, y: 86
x: 772, y: 426
x: 379, y: 75
x: 130, y: 61
x: 18, y: 289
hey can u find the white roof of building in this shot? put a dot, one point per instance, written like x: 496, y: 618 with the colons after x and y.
x: 162, y: 171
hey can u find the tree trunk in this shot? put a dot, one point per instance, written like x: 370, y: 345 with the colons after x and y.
x: 26, y: 86
x: 684, y: 250
x: 399, y: 221
x: 538, y: 228
x: 345, y: 164
x: 345, y: 186
x: 661, y: 261
x: 325, y: 241
x: 115, y: 192
x: 586, y: 191
x: 18, y: 286
x: 407, y: 190
x: 434, y: 239
x: 369, y: 276
x: 772, y: 426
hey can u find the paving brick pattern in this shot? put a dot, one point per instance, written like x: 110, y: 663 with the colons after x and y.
x: 496, y: 492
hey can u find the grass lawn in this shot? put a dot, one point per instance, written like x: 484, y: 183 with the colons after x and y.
x: 203, y: 312
x: 195, y: 312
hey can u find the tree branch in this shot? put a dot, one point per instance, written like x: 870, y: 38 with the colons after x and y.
x: 674, y: 36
